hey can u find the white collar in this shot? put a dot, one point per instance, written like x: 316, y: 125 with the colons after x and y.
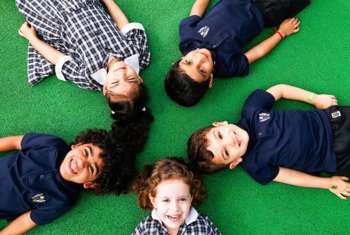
x: 100, y: 75
x: 192, y: 216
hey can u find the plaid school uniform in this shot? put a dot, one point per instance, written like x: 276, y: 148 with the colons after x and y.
x: 85, y: 32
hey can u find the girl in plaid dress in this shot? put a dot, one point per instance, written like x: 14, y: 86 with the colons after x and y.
x: 169, y: 188
x: 80, y: 42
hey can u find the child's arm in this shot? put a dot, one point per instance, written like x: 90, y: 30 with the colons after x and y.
x: 51, y: 54
x: 199, y: 7
x: 117, y: 14
x: 295, y: 93
x: 335, y: 184
x: 286, y: 28
x: 10, y: 143
x: 20, y: 225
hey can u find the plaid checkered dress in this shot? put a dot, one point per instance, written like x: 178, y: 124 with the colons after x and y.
x: 83, y: 30
x: 199, y: 226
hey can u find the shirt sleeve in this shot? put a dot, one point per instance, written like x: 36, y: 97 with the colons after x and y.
x: 38, y: 67
x: 258, y: 100
x: 135, y: 36
x: 211, y: 228
x: 141, y: 228
x: 73, y: 71
x: 186, y: 25
x: 236, y: 66
x: 263, y: 174
x: 47, y: 214
x: 35, y: 140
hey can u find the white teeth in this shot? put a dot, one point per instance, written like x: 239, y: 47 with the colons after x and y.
x: 73, y: 167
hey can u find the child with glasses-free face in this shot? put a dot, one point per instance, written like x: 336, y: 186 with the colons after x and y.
x: 170, y: 189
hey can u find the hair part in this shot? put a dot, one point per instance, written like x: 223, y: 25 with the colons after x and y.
x: 182, y: 89
x: 200, y: 157
x: 119, y: 168
x: 166, y: 169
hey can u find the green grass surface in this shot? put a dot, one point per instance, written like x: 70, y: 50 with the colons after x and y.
x: 317, y: 59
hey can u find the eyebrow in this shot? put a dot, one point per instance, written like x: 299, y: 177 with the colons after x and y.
x: 91, y: 153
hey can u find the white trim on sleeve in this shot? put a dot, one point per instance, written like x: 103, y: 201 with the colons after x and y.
x: 59, y: 65
x: 131, y: 26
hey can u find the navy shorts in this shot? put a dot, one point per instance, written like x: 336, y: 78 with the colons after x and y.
x: 276, y: 11
x: 339, y: 117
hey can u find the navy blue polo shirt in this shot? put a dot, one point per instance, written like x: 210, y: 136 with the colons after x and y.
x: 227, y: 27
x: 30, y: 180
x: 297, y: 139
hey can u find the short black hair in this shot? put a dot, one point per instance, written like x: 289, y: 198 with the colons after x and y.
x: 119, y: 166
x: 182, y: 89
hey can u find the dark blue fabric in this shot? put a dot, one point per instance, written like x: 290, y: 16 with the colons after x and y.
x: 227, y: 27
x: 31, y: 175
x: 298, y: 139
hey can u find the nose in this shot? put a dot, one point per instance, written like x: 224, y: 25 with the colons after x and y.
x: 174, y: 206
x: 228, y: 141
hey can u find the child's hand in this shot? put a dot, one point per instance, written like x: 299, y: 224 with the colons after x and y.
x: 324, y: 101
x: 339, y: 187
x: 27, y: 31
x: 289, y: 26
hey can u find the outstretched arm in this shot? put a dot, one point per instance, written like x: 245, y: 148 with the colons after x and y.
x: 10, y: 143
x: 287, y: 27
x: 199, y: 7
x: 51, y: 54
x: 295, y: 93
x: 335, y: 184
x: 20, y: 225
x: 117, y: 14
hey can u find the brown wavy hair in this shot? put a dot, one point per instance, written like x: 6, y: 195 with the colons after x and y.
x: 166, y: 169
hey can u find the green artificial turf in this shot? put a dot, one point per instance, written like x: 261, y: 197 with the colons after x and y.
x: 317, y: 58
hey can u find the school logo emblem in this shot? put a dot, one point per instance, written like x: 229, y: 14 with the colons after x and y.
x: 203, y: 31
x: 38, y: 198
x: 264, y: 117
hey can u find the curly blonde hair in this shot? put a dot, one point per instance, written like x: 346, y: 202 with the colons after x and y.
x: 166, y: 169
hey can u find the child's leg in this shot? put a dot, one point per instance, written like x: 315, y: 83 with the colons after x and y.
x: 275, y: 11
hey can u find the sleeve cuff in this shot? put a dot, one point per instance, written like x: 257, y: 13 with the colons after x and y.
x: 59, y: 65
x: 131, y: 26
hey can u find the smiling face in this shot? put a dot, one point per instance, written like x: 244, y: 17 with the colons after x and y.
x: 82, y: 165
x: 228, y: 143
x: 121, y: 80
x: 198, y: 64
x: 172, y: 202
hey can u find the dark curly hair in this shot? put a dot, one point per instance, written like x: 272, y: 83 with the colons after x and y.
x: 201, y: 159
x: 182, y: 89
x: 166, y: 169
x: 119, y: 167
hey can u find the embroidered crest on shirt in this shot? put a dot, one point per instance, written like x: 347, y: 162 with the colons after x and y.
x: 264, y: 117
x: 38, y: 198
x: 203, y: 31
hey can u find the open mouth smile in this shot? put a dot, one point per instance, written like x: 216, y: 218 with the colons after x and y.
x: 174, y: 218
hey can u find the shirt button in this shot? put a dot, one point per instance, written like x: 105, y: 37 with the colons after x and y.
x: 260, y: 133
x: 42, y: 176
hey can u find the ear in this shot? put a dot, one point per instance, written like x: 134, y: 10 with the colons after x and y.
x: 152, y: 200
x: 211, y: 81
x: 235, y: 163
x: 104, y: 90
x: 224, y: 123
x: 87, y: 185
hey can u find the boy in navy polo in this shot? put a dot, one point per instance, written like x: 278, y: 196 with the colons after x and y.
x: 288, y: 146
x: 212, y: 45
x: 42, y: 180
